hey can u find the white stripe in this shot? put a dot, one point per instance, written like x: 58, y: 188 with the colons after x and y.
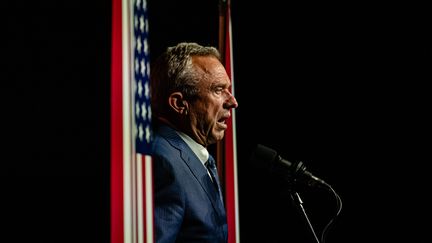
x: 236, y: 206
x: 127, y: 160
x: 149, y: 198
x: 139, y: 182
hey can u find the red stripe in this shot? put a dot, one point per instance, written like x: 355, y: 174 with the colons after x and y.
x: 144, y: 201
x: 229, y: 145
x: 152, y: 197
x: 117, y: 230
x: 135, y: 205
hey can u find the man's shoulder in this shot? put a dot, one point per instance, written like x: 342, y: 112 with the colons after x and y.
x: 166, y: 139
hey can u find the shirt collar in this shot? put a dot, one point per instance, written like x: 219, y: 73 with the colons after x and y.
x: 199, y: 150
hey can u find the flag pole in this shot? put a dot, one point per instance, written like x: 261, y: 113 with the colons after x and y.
x: 220, y: 158
x: 223, y: 4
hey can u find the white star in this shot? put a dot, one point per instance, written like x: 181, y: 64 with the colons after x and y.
x: 137, y: 109
x: 149, y: 113
x: 147, y: 26
x: 142, y: 23
x: 136, y: 21
x: 146, y: 90
x: 143, y: 110
x: 140, y: 89
x: 144, y: 4
x: 148, y: 133
x: 143, y: 67
x: 138, y: 43
x: 138, y: 3
x: 148, y: 69
x: 137, y: 66
x: 140, y: 132
x: 145, y: 46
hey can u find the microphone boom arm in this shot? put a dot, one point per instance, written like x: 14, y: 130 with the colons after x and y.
x: 299, y: 204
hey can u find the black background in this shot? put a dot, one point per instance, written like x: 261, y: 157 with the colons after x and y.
x: 342, y: 87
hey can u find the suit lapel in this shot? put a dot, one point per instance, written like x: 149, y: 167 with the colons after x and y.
x: 198, y: 170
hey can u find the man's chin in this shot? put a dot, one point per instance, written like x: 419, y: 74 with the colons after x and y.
x: 218, y: 135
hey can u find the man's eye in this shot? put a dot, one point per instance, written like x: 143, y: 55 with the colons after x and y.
x: 219, y: 90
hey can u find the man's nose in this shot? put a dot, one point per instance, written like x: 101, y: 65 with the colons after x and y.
x: 231, y: 101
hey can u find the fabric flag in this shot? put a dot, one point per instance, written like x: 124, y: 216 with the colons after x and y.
x: 131, y: 163
x: 230, y: 143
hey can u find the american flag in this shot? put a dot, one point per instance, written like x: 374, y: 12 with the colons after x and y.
x: 141, y: 75
x: 131, y: 177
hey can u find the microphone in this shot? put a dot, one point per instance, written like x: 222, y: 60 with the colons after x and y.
x: 267, y: 158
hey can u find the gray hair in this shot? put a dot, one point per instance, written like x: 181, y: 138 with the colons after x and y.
x: 173, y: 71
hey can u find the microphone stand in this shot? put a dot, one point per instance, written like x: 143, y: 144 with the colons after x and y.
x: 299, y: 205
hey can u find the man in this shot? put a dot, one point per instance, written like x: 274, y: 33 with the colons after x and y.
x: 191, y: 100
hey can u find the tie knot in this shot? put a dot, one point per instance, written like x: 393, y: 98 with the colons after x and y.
x: 211, y: 163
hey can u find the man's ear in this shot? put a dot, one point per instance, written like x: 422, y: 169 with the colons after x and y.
x: 177, y: 102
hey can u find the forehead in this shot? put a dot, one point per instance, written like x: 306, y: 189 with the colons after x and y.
x: 211, y: 70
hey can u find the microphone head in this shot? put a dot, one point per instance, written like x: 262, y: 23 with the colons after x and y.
x: 267, y: 159
x: 263, y: 157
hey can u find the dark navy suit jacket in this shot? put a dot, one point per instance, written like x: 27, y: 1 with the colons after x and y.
x: 187, y: 206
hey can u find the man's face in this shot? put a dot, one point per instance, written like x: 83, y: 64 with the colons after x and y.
x: 209, y: 112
